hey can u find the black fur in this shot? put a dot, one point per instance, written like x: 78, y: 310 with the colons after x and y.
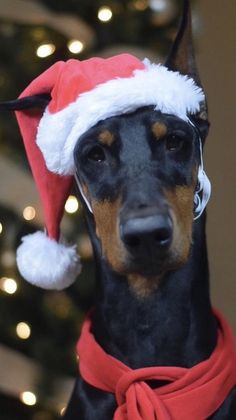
x: 175, y: 325
x: 28, y: 102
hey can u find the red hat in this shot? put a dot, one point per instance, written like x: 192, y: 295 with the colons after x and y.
x: 83, y: 93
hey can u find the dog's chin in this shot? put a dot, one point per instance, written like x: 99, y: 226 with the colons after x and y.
x: 150, y: 271
x: 151, y: 267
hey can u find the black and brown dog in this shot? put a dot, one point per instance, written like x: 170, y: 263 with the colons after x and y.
x: 139, y: 172
x: 153, y: 306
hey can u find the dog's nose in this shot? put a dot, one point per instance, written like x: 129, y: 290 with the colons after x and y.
x: 141, y: 234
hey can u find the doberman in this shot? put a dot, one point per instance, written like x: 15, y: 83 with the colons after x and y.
x: 153, y: 306
x: 138, y: 173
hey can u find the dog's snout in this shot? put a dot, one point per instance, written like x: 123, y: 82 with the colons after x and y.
x: 153, y: 232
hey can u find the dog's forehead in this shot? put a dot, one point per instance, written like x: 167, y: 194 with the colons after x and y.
x: 136, y: 126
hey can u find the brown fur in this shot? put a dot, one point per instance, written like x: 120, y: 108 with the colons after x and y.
x: 143, y: 286
x: 159, y: 130
x: 181, y: 203
x: 106, y: 138
x: 106, y: 215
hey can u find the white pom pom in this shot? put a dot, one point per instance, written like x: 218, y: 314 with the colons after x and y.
x: 46, y: 263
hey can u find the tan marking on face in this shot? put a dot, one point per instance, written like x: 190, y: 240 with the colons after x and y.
x: 159, y: 130
x: 181, y: 200
x: 106, y: 138
x: 106, y: 215
x: 143, y: 286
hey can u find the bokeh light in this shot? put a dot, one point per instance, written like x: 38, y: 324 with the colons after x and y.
x: 8, y: 285
x: 29, y: 213
x: 45, y: 50
x: 23, y: 330
x: 75, y: 46
x: 28, y: 398
x: 71, y: 205
x: 104, y: 14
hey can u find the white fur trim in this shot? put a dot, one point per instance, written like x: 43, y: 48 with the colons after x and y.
x: 169, y: 92
x: 46, y: 263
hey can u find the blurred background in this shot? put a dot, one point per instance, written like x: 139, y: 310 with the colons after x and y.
x: 39, y: 329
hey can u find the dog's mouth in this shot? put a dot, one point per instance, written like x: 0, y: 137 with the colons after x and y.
x: 147, y: 265
x: 153, y: 265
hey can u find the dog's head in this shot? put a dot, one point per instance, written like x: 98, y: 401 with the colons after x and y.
x: 138, y: 173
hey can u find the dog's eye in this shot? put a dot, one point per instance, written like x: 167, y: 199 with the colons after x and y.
x: 96, y: 154
x: 174, y: 142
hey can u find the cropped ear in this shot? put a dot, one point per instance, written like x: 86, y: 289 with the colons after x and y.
x: 27, y: 102
x: 182, y: 57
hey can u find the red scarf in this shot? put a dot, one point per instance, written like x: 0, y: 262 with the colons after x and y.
x: 194, y: 393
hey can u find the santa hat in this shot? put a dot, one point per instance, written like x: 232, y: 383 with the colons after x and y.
x: 83, y: 93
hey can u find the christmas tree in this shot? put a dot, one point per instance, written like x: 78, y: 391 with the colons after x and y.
x: 39, y: 329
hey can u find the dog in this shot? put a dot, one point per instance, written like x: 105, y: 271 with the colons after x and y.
x: 153, y: 307
x: 158, y: 313
x: 141, y: 180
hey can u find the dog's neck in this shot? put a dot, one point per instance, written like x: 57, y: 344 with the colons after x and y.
x: 173, y: 326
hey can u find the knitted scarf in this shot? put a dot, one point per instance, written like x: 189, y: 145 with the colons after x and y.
x: 192, y: 393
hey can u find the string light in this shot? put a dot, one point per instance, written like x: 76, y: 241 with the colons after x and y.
x: 71, y: 205
x: 75, y: 46
x: 104, y: 14
x: 62, y: 411
x: 29, y: 213
x: 28, y: 398
x: 8, y: 285
x: 23, y: 330
x: 45, y: 50
x: 141, y: 5
x: 1, y: 228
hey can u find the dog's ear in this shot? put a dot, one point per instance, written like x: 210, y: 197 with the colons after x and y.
x: 28, y: 102
x: 182, y: 57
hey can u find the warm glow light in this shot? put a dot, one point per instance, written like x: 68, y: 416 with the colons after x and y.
x: 29, y: 213
x: 1, y: 228
x: 75, y: 46
x: 141, y: 5
x: 62, y: 411
x: 72, y: 204
x: 23, y: 330
x: 28, y: 398
x: 45, y: 50
x: 104, y: 14
x: 8, y: 285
